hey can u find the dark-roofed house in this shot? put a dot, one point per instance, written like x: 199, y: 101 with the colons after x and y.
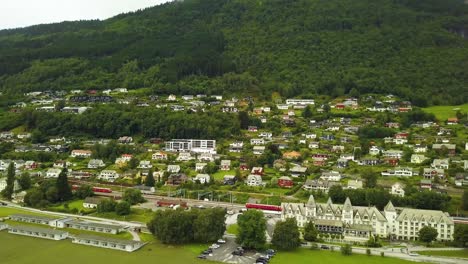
x: 106, y: 242
x: 38, y: 232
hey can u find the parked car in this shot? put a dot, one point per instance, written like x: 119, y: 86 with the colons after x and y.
x: 271, y: 252
x: 214, y: 246
x: 208, y: 251
x: 324, y: 247
x: 413, y: 254
x: 262, y: 260
x: 202, y: 256
x: 221, y: 241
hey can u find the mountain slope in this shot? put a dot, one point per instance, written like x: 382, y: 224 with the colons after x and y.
x: 412, y: 48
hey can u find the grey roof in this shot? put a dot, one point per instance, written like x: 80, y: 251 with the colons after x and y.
x: 109, y: 240
x: 93, y: 224
x: 35, y: 217
x: 427, y: 215
x: 37, y: 229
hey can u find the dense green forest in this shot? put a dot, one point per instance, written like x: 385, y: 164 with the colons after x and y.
x: 411, y: 48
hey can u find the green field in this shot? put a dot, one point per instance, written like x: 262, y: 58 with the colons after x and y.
x: 232, y: 229
x: 444, y: 112
x: 447, y: 253
x: 307, y: 256
x: 16, y: 249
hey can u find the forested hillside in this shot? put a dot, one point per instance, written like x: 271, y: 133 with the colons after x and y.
x: 411, y: 48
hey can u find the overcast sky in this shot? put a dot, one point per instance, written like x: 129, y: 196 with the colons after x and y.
x: 21, y: 13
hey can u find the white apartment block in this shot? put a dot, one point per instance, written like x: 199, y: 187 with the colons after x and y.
x: 192, y: 145
x: 357, y: 223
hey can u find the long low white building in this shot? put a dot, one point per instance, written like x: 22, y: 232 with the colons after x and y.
x: 3, y: 226
x: 106, y: 242
x: 33, y: 231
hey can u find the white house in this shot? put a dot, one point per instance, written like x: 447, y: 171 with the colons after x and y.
x: 200, y: 166
x: 80, y: 153
x: 96, y: 163
x: 399, y: 172
x: 257, y: 141
x: 184, y: 156
x: 145, y: 164
x: 173, y: 168
x: 159, y: 156
x: 225, y: 165
x: 254, y: 180
x: 258, y: 150
x: 202, y: 178
x: 108, y: 175
x: 53, y: 173
x: 440, y: 163
x: 417, y: 158
x: 397, y: 189
x: 208, y: 157
x: 331, y: 176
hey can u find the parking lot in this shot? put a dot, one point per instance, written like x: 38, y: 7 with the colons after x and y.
x: 224, y: 253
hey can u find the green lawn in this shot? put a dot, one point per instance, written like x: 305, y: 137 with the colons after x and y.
x: 232, y: 229
x: 307, y: 256
x: 219, y: 175
x: 444, y: 112
x: 6, y: 211
x: 447, y: 253
x: 137, y: 215
x: 25, y: 250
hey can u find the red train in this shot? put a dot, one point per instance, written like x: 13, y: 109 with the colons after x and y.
x: 264, y: 207
x: 171, y: 203
x: 95, y: 189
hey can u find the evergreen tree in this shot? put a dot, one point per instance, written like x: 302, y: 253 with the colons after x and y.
x: 9, y: 189
x: 310, y: 232
x: 25, y: 181
x: 64, y: 192
x: 286, y: 235
x: 307, y: 113
x: 465, y: 200
x: 150, y: 179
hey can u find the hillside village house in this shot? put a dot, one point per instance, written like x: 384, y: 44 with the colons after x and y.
x: 200, y: 166
x: 431, y: 173
x: 177, y: 179
x: 173, y: 168
x: 53, y: 173
x: 318, y: 185
x: 80, y: 153
x: 95, y: 164
x: 417, y: 158
x: 285, y: 182
x: 257, y: 141
x: 254, y: 180
x: 258, y: 150
x: 331, y: 176
x: 236, y: 147
x: 108, y: 175
x: 145, y: 164
x: 225, y: 165
x: 450, y: 148
x: 397, y: 189
x: 207, y: 157
x: 229, y: 180
x: 358, y: 223
x: 440, y: 163
x: 202, y: 178
x: 159, y: 156
x: 184, y: 156
x: 298, y: 171
x: 257, y: 171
